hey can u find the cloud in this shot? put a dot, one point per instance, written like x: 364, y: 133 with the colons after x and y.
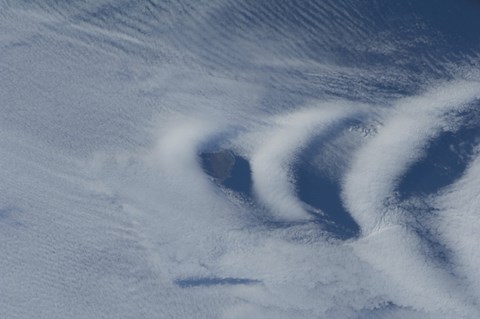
x: 105, y: 211
x: 272, y: 161
x: 456, y: 225
x: 377, y: 167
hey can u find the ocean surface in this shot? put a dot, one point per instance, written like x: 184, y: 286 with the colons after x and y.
x: 239, y: 159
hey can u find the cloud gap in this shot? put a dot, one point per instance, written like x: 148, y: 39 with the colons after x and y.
x: 214, y: 281
x: 322, y: 192
x: 229, y: 170
x: 445, y: 161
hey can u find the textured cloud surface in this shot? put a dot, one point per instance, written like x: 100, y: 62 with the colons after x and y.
x: 239, y: 159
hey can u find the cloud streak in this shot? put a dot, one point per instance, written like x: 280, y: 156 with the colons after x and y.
x: 377, y: 167
x: 272, y: 162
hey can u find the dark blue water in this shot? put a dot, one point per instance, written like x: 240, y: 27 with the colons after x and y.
x: 213, y: 281
x: 240, y: 179
x: 322, y: 193
x: 447, y: 157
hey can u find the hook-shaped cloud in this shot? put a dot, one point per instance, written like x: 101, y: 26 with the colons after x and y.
x: 378, y: 166
x: 272, y: 161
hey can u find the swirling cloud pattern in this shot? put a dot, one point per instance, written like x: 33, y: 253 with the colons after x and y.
x: 252, y: 159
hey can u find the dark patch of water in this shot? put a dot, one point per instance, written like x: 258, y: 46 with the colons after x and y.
x: 322, y: 193
x: 213, y: 281
x: 446, y: 160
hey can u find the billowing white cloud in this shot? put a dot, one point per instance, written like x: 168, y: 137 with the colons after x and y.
x: 106, y: 212
x: 273, y: 160
x: 457, y: 223
x: 377, y: 167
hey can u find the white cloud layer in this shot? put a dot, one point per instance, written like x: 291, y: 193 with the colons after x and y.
x: 106, y: 211
x: 272, y: 161
x: 379, y: 165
